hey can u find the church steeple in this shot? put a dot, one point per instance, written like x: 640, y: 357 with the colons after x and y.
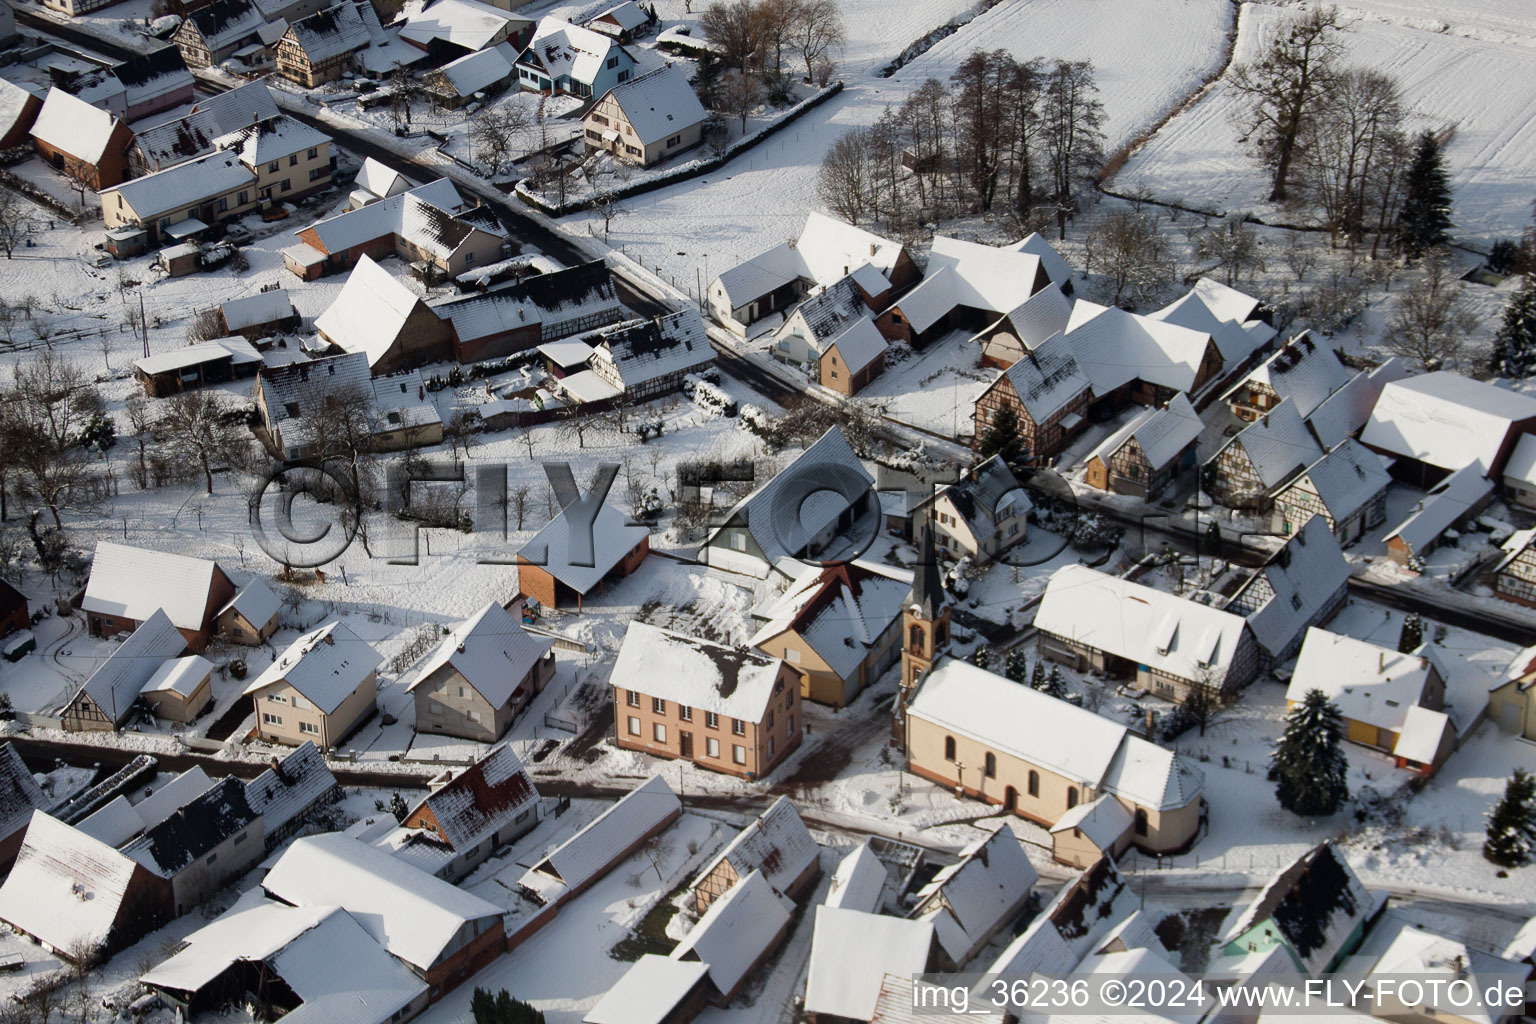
x: 925, y: 623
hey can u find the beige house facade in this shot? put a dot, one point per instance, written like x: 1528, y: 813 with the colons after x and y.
x: 320, y: 689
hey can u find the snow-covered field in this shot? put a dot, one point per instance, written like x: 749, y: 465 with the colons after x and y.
x: 1481, y: 85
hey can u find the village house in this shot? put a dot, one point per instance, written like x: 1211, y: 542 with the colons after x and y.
x: 838, y: 627
x: 481, y: 676
x: 1038, y: 757
x: 290, y: 159
x: 379, y: 317
x: 543, y: 308
x: 607, y: 841
x: 321, y: 48
x: 1343, y: 414
x: 426, y: 223
x: 442, y: 933
x: 558, y: 568
x: 1301, y: 585
x: 290, y: 398
x: 670, y: 991
x: 321, y: 688
x: 1316, y: 910
x: 1039, y: 318
x: 1389, y: 701
x: 1396, y: 946
x: 14, y: 616
x: 208, y: 841
x: 776, y: 844
x: 979, y: 516
x: 180, y: 688
x: 759, y: 536
x: 1514, y: 576
x: 18, y: 112
x: 286, y: 793
x: 451, y: 29
x: 182, y: 201
x: 72, y: 8
x: 644, y: 359
x: 851, y: 954
x: 1251, y: 468
x: 1134, y: 359
x: 259, y: 316
x: 1520, y: 472
x: 566, y: 58
x: 469, y: 815
x: 375, y: 181
x: 20, y: 795
x: 723, y: 708
x: 624, y: 21
x: 192, y: 134
x: 825, y: 252
x: 153, y: 82
x: 1303, y: 370
x: 1048, y: 394
x: 211, y: 33
x: 81, y: 141
x: 1086, y: 914
x: 1169, y: 645
x: 1146, y: 455
x: 1457, y: 498
x: 647, y: 119
x: 1346, y: 488
x: 1512, y: 698
x: 77, y: 896
x: 127, y: 585
x: 968, y: 286
x: 806, y: 337
x: 737, y: 934
x: 250, y: 618
x: 474, y: 77
x: 1237, y: 322
x: 1436, y: 423
x: 218, y: 361
x: 860, y: 882
x: 975, y: 898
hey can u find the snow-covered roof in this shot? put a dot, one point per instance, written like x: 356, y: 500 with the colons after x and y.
x: 14, y: 101
x: 117, y: 682
x: 826, y: 251
x: 114, y: 823
x: 642, y: 811
x: 648, y: 992
x: 1056, y: 266
x: 1369, y: 683
x: 841, y: 611
x: 1040, y: 317
x: 1349, y: 476
x: 638, y: 351
x: 1293, y: 586
x: 1521, y: 466
x: 344, y: 28
x: 1315, y: 903
x: 410, y: 913
x: 192, y: 134
x: 491, y: 650
x: 1047, y: 379
x: 969, y: 274
x: 223, y: 22
x: 251, y: 930
x: 627, y: 16
x: 1102, y: 821
x: 1150, y: 627
x: 256, y: 310
x: 370, y: 312
x: 696, y: 673
x: 481, y: 799
x: 19, y: 791
x: 737, y: 930
x: 1523, y: 945
x: 580, y: 293
x: 562, y: 49
x: 1445, y: 504
x: 325, y: 665
x: 1235, y: 340
x: 424, y: 215
x: 180, y: 675
x: 562, y: 552
x: 146, y: 76
x: 1278, y: 444
x: 1152, y: 776
x: 1163, y: 434
x: 255, y: 602
x: 290, y: 787
x: 860, y: 881
x: 1115, y: 347
x: 194, y: 830
x: 766, y: 272
x: 66, y: 888
x: 777, y: 843
x: 70, y: 124
x: 343, y: 977
x: 272, y: 139
x: 568, y: 352
x: 1346, y: 410
x: 1423, y: 730
x: 659, y: 103
x: 480, y: 70
x: 1303, y: 370
x: 291, y: 392
x: 899, y: 1003
x: 1399, y: 947
x: 382, y: 180
x: 1083, y: 911
x: 985, y: 495
x: 859, y: 343
x: 466, y: 23
x: 969, y: 899
x: 1446, y: 420
x: 852, y: 952
x: 206, y: 177
x: 826, y: 312
x: 236, y: 350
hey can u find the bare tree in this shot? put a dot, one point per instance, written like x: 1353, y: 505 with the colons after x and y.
x: 206, y: 324
x: 846, y: 181
x: 15, y: 221
x: 141, y: 432
x: 817, y: 32
x: 777, y: 21
x: 81, y: 178
x: 493, y: 135
x: 575, y: 422
x: 1300, y: 256
x: 1346, y: 145
x: 1284, y: 87
x: 1431, y: 318
x: 740, y: 93
x: 608, y: 208
x: 1073, y: 133
x: 525, y: 434
x: 1235, y: 247
x: 1128, y: 248
x: 517, y: 502
x: 735, y: 29
x: 194, y: 430
x: 104, y: 343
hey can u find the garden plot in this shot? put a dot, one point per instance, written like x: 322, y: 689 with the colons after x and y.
x: 1447, y: 81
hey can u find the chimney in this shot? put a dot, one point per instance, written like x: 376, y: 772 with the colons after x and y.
x: 872, y: 248
x: 1381, y: 661
x: 330, y: 639
x: 1151, y: 717
x: 461, y: 647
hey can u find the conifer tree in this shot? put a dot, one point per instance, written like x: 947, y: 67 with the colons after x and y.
x: 1308, y: 767
x: 1004, y: 437
x: 1514, y: 347
x: 1512, y: 823
x: 1037, y: 680
x: 1425, y: 220
x: 1016, y: 665
x: 1054, y: 686
x: 1412, y: 636
x: 981, y: 657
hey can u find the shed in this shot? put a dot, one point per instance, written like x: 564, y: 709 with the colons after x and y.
x: 575, y: 864
x: 563, y: 562
x: 180, y: 688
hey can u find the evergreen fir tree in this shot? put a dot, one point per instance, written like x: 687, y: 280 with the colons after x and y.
x: 398, y: 807
x: 1308, y: 768
x: 981, y: 657
x: 1055, y: 686
x: 1213, y: 539
x: 1425, y: 219
x: 1412, y: 636
x: 1004, y: 437
x: 1514, y: 347
x: 1512, y: 824
x: 1016, y: 665
x: 1037, y: 681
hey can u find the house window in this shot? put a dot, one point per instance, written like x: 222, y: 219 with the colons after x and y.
x: 989, y: 767
x: 317, y: 173
x: 293, y: 159
x: 474, y: 716
x: 314, y: 151
x: 738, y: 727
x: 223, y: 203
x: 1071, y: 797
x: 632, y: 150
x: 461, y: 692
x: 674, y: 141
x: 658, y: 706
x: 632, y: 699
x: 287, y: 184
x: 739, y: 754
x: 634, y: 726
x: 434, y: 708
x: 600, y: 119
x: 684, y: 713
x: 309, y: 727
x: 1034, y: 783
x: 301, y: 703
x: 792, y: 655
x: 277, y: 698
x: 269, y: 719
x: 768, y: 721
x: 711, y: 720
x: 770, y: 746
x: 949, y: 748
x: 242, y: 198
x: 623, y: 76
x: 712, y: 746
x: 658, y: 732
x: 273, y: 166
x: 594, y: 136
x: 1141, y: 821
x: 613, y: 62
x: 789, y: 725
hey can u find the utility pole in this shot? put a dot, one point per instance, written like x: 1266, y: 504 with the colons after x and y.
x: 143, y: 322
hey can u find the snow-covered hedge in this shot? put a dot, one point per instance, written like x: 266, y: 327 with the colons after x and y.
x: 682, y: 172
